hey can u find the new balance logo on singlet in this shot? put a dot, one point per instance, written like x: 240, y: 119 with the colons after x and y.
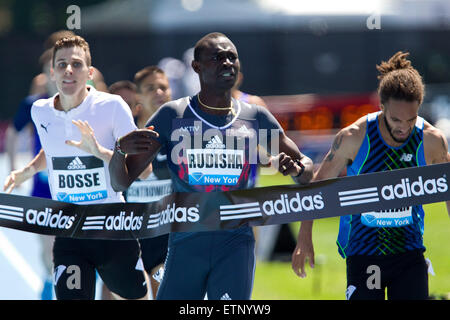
x: 76, y: 164
x: 406, y: 157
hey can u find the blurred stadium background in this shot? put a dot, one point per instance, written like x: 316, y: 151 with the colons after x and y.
x: 313, y: 62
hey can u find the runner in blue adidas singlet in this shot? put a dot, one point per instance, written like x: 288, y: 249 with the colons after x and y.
x: 391, y: 239
x: 220, y: 263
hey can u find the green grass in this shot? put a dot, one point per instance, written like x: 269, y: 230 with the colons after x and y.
x: 327, y: 281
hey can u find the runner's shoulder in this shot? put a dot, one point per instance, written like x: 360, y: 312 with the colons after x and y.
x: 252, y: 110
x: 353, y: 135
x: 42, y: 104
x: 168, y: 111
x: 175, y: 107
x: 431, y: 131
x: 100, y: 98
x: 435, y: 140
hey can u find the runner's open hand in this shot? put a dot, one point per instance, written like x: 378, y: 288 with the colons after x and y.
x: 16, y: 178
x: 303, y: 252
x: 88, y: 141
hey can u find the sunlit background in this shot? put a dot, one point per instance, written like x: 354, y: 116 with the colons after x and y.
x: 313, y: 63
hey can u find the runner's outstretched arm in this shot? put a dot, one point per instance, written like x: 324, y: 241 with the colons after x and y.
x: 291, y: 161
x: 90, y: 144
x: 342, y: 151
x: 17, y: 177
x: 133, y: 154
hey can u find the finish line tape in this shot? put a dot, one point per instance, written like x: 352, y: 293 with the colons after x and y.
x: 194, y: 212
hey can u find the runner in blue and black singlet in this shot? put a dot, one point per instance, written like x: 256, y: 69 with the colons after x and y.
x: 390, y: 239
x: 228, y: 268
x: 211, y: 141
x: 391, y: 231
x: 384, y: 250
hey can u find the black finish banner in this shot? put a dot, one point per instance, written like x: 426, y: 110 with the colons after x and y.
x: 378, y: 195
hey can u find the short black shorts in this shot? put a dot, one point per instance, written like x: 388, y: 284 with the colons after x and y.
x: 76, y: 260
x: 405, y: 276
x: 154, y: 251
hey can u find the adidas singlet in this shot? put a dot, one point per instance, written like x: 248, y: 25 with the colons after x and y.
x: 211, y: 153
x: 209, y: 163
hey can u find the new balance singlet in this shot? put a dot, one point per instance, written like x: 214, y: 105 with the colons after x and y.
x: 390, y: 231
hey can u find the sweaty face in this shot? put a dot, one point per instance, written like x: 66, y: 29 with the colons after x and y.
x: 154, y: 91
x: 70, y: 71
x: 400, y: 118
x: 218, y: 64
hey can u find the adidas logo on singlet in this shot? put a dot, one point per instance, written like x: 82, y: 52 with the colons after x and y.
x: 76, y: 164
x: 215, y: 143
x: 244, y: 130
x: 226, y: 296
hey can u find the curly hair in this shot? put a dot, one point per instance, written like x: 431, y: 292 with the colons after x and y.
x: 399, y: 80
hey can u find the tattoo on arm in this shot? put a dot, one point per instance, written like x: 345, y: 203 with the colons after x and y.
x: 445, y: 154
x: 444, y: 144
x: 336, y: 145
x: 330, y: 156
x: 337, y: 142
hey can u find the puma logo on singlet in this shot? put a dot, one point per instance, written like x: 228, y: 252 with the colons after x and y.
x: 45, y: 127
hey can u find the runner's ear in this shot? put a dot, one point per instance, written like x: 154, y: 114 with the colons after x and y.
x: 52, y: 74
x: 91, y: 73
x: 195, y: 66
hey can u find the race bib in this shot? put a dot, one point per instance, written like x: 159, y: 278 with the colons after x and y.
x: 214, y: 166
x: 79, y: 179
x: 149, y: 190
x: 388, y: 218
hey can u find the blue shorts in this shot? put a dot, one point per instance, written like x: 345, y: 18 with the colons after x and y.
x: 220, y: 264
